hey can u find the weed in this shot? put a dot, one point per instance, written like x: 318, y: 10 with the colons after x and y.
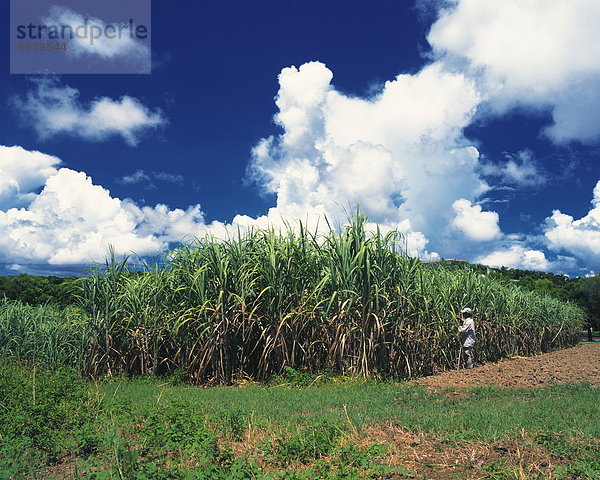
x: 584, y: 458
x: 308, y: 444
x: 233, y: 423
x: 177, y: 427
x: 40, y: 407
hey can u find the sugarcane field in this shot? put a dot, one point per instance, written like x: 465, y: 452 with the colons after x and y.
x: 296, y: 355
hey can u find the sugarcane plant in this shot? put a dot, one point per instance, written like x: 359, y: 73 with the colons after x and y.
x: 349, y: 301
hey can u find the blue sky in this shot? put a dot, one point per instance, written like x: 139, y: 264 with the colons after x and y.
x: 470, y: 126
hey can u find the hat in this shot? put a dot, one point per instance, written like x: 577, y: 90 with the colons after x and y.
x: 466, y: 310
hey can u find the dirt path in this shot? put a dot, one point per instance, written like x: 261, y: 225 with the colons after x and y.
x: 577, y: 364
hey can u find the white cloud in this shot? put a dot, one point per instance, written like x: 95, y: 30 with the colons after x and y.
x: 139, y: 176
x: 476, y: 224
x: 401, y: 155
x: 143, y: 177
x: 168, y: 177
x: 73, y: 221
x: 539, y: 53
x: 21, y: 173
x: 516, y: 257
x: 52, y: 110
x: 519, y: 170
x: 579, y: 237
x: 115, y: 45
x: 519, y: 256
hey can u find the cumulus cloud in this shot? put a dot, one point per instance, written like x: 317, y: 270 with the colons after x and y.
x: 400, y: 155
x: 579, y: 237
x: 22, y: 173
x: 113, y: 46
x: 53, y: 109
x: 73, y: 221
x: 516, y: 256
x: 476, y: 224
x: 519, y: 256
x: 63, y: 218
x: 539, y: 53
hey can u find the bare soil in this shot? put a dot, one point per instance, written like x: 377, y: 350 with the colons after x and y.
x: 572, y: 365
x: 430, y: 457
x: 427, y: 457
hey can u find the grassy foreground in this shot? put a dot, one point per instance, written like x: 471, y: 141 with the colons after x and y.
x: 53, y: 424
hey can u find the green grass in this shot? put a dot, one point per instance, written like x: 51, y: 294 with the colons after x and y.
x: 491, y: 413
x: 481, y: 414
x: 152, y: 429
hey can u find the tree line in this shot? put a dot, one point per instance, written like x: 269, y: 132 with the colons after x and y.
x: 38, y: 290
x: 584, y: 291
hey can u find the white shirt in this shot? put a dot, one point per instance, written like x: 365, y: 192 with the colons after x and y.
x: 468, y: 332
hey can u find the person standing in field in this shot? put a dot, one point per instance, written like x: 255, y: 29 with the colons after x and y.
x: 468, y: 337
